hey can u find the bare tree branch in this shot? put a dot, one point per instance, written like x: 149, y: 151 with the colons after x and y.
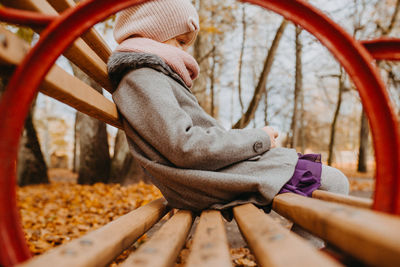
x: 390, y: 27
x: 207, y: 55
x: 258, y: 92
x: 297, y: 91
x: 241, y: 63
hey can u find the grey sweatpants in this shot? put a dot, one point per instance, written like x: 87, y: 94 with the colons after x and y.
x: 334, y: 181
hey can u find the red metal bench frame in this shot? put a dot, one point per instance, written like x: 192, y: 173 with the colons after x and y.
x: 61, y: 31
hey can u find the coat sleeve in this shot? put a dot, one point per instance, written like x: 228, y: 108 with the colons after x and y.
x: 146, y: 100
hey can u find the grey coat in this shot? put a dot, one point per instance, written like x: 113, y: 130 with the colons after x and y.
x: 187, y: 154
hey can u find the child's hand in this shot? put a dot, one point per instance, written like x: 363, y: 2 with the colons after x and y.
x: 272, y: 135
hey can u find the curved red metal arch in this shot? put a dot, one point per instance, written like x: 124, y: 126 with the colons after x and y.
x: 26, y: 18
x: 360, y: 66
x: 71, y: 24
x: 384, y: 48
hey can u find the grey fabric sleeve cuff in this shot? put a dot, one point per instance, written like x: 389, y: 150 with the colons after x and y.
x: 261, y: 140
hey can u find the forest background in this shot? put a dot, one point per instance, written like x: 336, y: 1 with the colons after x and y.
x: 256, y: 69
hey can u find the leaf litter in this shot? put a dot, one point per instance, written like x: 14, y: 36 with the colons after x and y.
x: 54, y: 214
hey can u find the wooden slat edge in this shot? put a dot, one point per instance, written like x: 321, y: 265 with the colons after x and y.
x: 164, y: 246
x: 100, y: 247
x: 210, y: 244
x: 61, y: 85
x: 34, y: 5
x: 90, y: 63
x: 371, y: 237
x: 274, y: 245
x: 79, y: 52
x: 97, y: 44
x: 12, y: 49
x: 91, y: 37
x: 348, y: 200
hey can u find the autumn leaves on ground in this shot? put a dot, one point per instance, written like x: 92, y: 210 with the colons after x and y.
x: 58, y: 212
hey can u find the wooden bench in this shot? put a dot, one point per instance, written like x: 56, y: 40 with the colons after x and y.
x: 348, y: 223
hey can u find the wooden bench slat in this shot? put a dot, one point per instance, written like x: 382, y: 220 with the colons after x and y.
x: 79, y: 52
x: 348, y: 200
x: 92, y: 38
x: 34, y: 5
x: 100, y: 247
x: 63, y: 86
x: 371, y: 237
x: 15, y: 49
x: 164, y: 246
x: 274, y: 245
x: 81, y: 55
x: 210, y: 244
x: 66, y: 88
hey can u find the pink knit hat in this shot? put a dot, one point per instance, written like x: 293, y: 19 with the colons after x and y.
x: 159, y: 20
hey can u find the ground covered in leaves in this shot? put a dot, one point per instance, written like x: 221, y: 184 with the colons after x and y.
x: 58, y: 212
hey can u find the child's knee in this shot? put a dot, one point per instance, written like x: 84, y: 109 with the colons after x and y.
x: 334, y: 181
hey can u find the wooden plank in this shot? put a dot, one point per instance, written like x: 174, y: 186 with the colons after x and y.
x: 87, y: 60
x: 61, y: 85
x: 12, y: 49
x: 210, y: 244
x: 371, y: 237
x: 274, y: 245
x: 164, y: 247
x: 34, y: 5
x: 348, y: 200
x: 64, y: 87
x: 100, y: 247
x: 91, y: 37
x: 79, y: 52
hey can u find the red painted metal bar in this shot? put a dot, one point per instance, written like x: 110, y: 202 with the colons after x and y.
x: 384, y: 49
x: 25, y: 18
x: 359, y: 65
x: 71, y: 24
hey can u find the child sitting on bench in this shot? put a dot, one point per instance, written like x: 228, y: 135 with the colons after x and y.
x: 187, y: 154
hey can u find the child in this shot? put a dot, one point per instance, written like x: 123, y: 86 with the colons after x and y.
x: 187, y: 154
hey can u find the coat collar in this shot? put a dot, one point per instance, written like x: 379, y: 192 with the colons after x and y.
x: 120, y: 63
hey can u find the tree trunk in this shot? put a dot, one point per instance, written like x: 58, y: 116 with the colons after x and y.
x: 121, y: 155
x: 77, y: 150
x: 364, y: 127
x: 244, y: 24
x: 212, y: 73
x: 302, y: 131
x: 94, y: 157
x: 363, y: 150
x: 31, y: 166
x: 124, y: 168
x: 202, y: 51
x: 266, y: 107
x: 212, y: 84
x: 258, y: 92
x: 335, y: 118
x: 297, y: 91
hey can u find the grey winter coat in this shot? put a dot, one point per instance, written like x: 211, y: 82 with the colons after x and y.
x: 188, y: 155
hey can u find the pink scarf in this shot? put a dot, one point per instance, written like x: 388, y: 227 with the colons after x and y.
x: 178, y: 60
